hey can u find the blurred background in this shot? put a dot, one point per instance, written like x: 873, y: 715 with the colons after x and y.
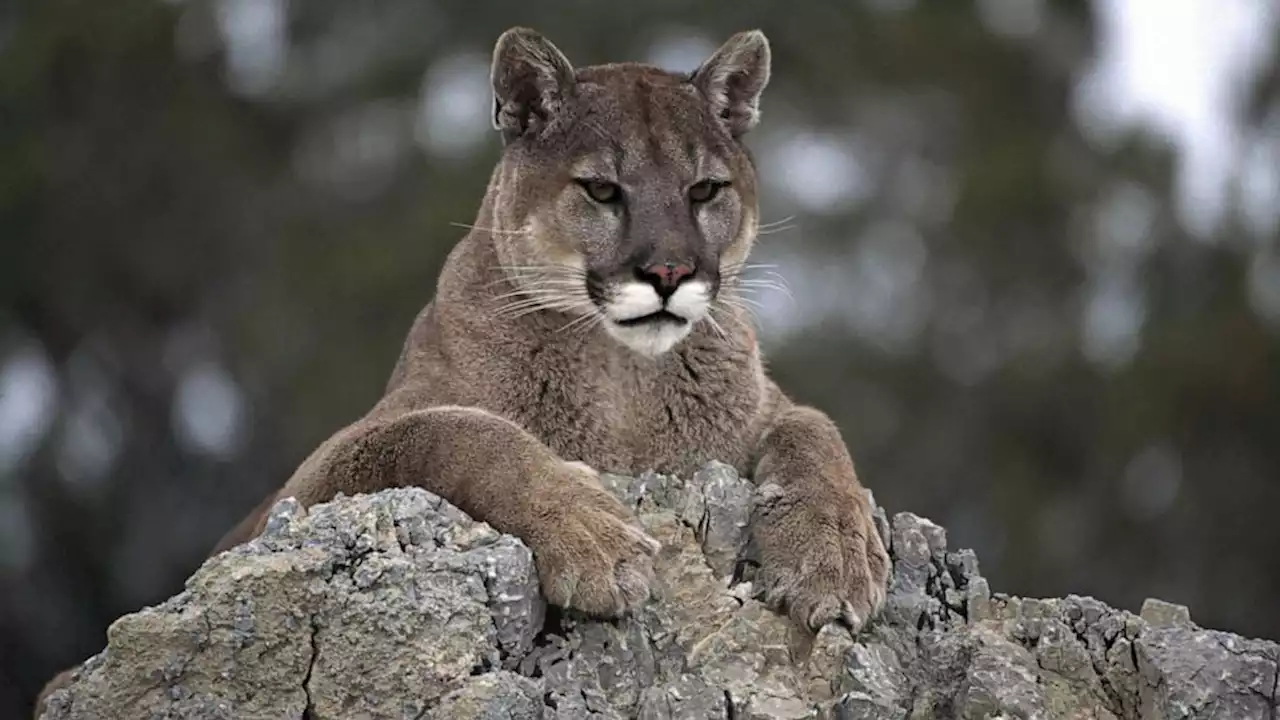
x: 1032, y: 244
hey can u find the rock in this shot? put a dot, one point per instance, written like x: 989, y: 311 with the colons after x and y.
x: 497, y: 695
x: 375, y: 606
x: 1164, y: 614
x: 1186, y: 672
x: 397, y: 605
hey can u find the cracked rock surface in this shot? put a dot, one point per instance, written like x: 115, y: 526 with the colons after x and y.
x: 397, y: 605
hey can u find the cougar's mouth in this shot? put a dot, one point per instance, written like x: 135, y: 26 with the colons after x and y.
x: 654, y: 318
x: 650, y: 321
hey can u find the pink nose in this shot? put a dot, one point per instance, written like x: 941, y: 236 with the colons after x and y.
x: 666, y: 276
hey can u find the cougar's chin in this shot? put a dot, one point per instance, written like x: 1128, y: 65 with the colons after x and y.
x: 651, y: 339
x: 641, y: 319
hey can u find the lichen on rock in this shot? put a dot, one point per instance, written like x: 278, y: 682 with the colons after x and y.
x: 398, y: 605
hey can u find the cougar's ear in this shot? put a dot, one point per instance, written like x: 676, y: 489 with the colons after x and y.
x: 531, y: 79
x: 733, y: 78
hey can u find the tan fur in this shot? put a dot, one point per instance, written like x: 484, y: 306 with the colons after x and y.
x: 502, y: 409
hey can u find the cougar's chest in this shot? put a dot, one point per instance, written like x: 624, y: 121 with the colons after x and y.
x: 574, y: 403
x: 701, y: 404
x: 623, y: 413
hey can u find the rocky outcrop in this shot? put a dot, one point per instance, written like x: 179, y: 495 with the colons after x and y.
x: 397, y: 605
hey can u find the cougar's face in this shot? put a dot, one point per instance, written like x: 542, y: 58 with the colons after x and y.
x: 636, y: 196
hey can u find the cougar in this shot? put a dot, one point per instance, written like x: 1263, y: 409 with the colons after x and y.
x: 592, y: 319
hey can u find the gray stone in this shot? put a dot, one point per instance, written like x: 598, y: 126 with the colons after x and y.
x: 374, y: 606
x: 1186, y: 672
x: 718, y: 507
x: 1159, y: 613
x: 397, y: 605
x: 497, y: 695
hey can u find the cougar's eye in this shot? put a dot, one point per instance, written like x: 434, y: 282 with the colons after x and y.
x: 705, y: 191
x: 602, y: 191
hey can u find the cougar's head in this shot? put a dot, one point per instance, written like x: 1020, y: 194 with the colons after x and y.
x: 624, y: 194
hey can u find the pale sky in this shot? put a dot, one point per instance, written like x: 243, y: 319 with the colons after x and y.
x: 1180, y: 67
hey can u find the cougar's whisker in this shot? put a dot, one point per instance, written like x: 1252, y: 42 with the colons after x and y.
x: 542, y: 268
x: 740, y: 268
x: 540, y: 299
x: 744, y: 299
x: 715, y: 324
x: 756, y: 286
x: 541, y: 295
x: 526, y: 311
x: 780, y: 228
x: 586, y: 317
x: 743, y: 271
x: 538, y: 275
x: 494, y: 231
x: 775, y: 223
x: 531, y: 291
x: 736, y: 302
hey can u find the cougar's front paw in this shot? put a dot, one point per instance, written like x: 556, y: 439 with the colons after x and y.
x: 821, y: 557
x: 591, y: 554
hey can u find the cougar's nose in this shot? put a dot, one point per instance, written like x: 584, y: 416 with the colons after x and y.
x: 664, y: 277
